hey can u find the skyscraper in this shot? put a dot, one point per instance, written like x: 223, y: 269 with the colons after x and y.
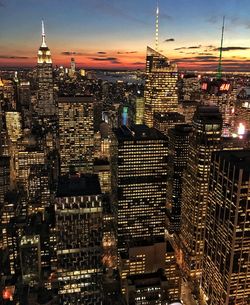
x: 165, y: 121
x: 160, y: 87
x: 139, y: 182
x: 76, y: 133
x: 207, y: 125
x: 179, y: 137
x: 226, y: 263
x: 46, y: 105
x: 79, y: 210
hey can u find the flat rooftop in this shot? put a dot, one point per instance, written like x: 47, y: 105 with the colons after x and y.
x: 138, y: 132
x: 76, y: 99
x: 78, y: 185
x: 238, y: 158
x: 168, y: 116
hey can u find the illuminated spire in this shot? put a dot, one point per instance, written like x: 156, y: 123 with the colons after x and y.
x: 157, y: 27
x: 219, y: 72
x: 43, y: 36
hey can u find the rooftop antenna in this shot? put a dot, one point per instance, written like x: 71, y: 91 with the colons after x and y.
x: 43, y: 35
x: 219, y: 72
x: 157, y: 27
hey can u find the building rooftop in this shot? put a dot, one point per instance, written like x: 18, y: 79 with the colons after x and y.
x: 238, y: 158
x: 168, y: 116
x: 208, y: 113
x: 147, y: 279
x: 138, y: 132
x: 78, y: 185
x: 76, y: 99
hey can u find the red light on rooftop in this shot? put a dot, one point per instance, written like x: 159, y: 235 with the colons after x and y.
x: 204, y: 86
x: 7, y: 294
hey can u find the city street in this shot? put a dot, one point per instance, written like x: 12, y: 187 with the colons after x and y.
x: 186, y: 295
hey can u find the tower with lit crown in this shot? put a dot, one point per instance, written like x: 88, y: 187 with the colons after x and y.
x: 161, y: 81
x: 45, y: 101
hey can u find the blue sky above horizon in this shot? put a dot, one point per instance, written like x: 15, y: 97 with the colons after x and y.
x: 115, y: 33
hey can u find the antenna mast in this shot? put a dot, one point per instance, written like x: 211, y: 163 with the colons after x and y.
x: 157, y: 27
x: 219, y: 72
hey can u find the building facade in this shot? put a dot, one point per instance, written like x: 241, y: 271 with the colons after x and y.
x: 207, y: 126
x: 78, y: 208
x: 139, y: 182
x: 160, y: 87
x: 76, y: 133
x: 226, y: 263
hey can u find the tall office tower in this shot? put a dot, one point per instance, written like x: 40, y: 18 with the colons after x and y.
x: 46, y: 105
x: 139, y: 109
x: 222, y: 94
x: 102, y: 169
x: 207, y: 125
x: 78, y: 209
x: 187, y: 108
x: 24, y: 159
x: 226, y: 263
x: 30, y: 256
x: 72, y: 69
x: 242, y: 110
x: 139, y: 165
x: 147, y: 289
x: 76, y: 133
x: 13, y: 125
x: 167, y: 120
x: 9, y: 94
x: 24, y: 103
x: 39, y: 194
x: 179, y: 137
x: 4, y: 177
x: 5, y: 143
x: 190, y: 88
x: 172, y: 273
x: 160, y: 87
x: 4, y: 188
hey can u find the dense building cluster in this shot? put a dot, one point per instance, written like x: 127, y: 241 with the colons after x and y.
x: 124, y: 187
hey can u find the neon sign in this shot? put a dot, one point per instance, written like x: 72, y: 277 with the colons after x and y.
x: 204, y: 86
x: 224, y: 87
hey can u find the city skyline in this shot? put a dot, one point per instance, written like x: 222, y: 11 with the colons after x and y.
x: 114, y: 34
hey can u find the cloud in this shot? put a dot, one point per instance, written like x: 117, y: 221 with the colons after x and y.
x: 13, y: 57
x: 188, y: 48
x: 68, y: 53
x: 2, y: 3
x: 128, y: 52
x: 138, y: 63
x: 101, y: 52
x: 204, y: 53
x: 226, y: 49
x: 195, y: 47
x: 202, y: 58
x: 169, y: 40
x: 181, y: 48
x: 113, y: 60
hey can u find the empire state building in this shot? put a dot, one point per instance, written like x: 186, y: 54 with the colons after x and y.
x: 46, y: 102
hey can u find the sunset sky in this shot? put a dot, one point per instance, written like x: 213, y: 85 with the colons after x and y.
x: 114, y: 33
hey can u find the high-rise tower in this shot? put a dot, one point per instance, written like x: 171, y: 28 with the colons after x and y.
x: 226, y: 263
x: 207, y: 125
x: 45, y: 101
x: 139, y: 183
x: 76, y: 133
x: 161, y: 86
